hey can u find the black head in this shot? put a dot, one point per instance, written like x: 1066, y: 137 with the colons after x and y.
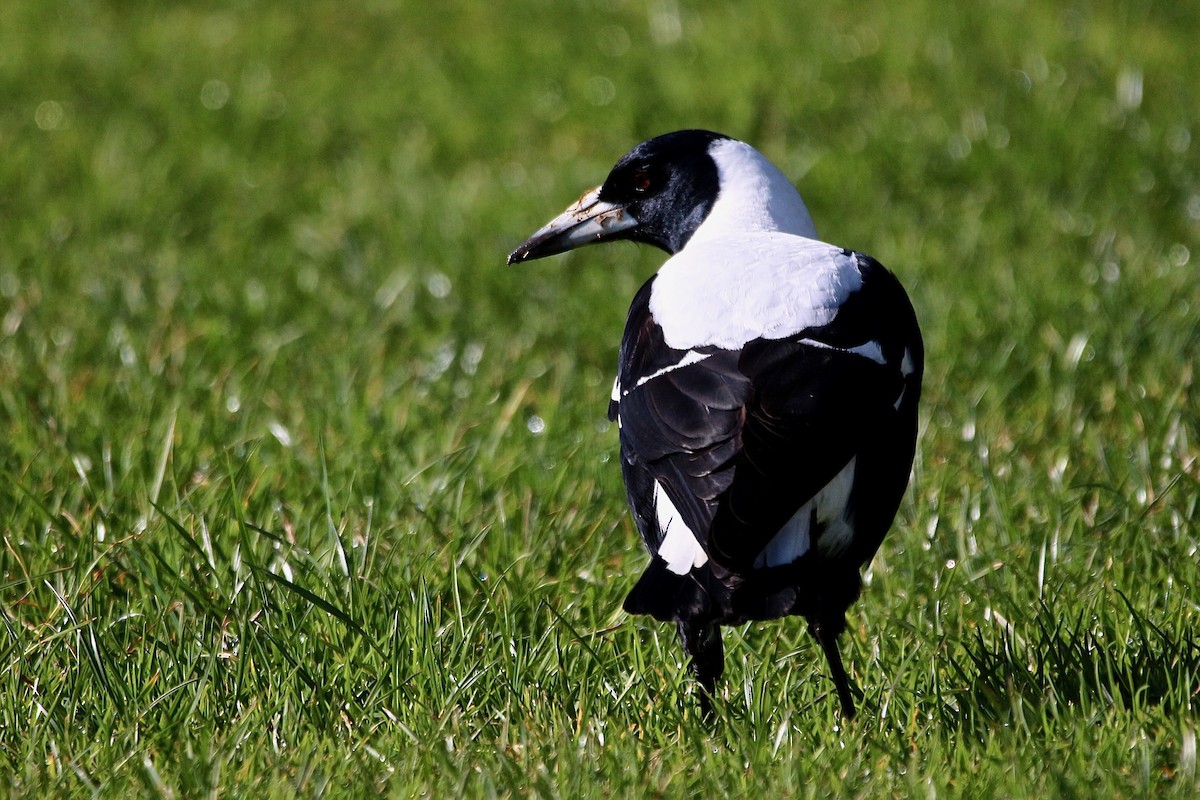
x: 669, y: 183
x: 658, y: 193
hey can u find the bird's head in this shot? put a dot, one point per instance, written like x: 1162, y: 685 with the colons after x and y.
x: 663, y: 190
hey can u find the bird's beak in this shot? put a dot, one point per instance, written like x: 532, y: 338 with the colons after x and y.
x: 587, y: 221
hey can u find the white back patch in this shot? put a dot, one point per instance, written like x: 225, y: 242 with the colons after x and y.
x: 679, y: 547
x: 730, y: 290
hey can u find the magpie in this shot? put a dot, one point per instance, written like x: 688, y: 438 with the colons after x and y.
x: 766, y: 395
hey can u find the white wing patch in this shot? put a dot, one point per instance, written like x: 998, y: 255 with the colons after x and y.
x: 729, y: 290
x: 906, y: 369
x: 832, y: 503
x: 869, y: 350
x: 679, y: 547
x: 689, y: 358
x: 827, y: 509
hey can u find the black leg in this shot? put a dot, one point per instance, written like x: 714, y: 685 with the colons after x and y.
x: 827, y: 636
x: 702, y: 642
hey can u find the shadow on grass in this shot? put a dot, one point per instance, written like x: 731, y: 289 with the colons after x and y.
x: 1089, y: 664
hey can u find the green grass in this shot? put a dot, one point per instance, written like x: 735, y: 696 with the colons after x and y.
x: 304, y: 493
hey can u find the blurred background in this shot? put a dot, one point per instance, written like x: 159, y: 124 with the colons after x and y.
x: 255, y: 321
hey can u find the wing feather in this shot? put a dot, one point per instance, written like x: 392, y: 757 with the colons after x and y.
x: 740, y: 440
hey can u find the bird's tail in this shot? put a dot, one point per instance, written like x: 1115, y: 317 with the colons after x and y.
x: 683, y: 599
x: 668, y: 597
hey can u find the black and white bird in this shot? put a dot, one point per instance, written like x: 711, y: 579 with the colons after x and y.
x: 766, y: 394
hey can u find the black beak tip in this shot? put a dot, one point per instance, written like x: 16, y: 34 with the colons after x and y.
x: 534, y: 247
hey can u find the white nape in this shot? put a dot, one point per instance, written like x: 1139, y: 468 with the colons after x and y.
x: 754, y: 196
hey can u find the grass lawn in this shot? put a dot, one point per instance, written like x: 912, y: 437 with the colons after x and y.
x: 304, y: 493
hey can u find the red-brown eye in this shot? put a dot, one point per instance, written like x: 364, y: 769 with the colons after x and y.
x: 641, y: 181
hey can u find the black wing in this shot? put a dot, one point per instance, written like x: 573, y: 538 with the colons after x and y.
x: 680, y: 425
x: 739, y: 441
